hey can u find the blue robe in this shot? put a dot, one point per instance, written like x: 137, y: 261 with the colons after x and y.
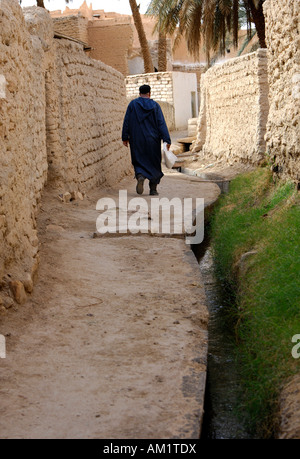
x: 145, y: 127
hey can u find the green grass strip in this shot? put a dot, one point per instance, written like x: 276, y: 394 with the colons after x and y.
x: 261, y: 219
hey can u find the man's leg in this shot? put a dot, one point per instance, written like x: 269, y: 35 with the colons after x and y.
x: 153, y: 189
x: 140, y: 184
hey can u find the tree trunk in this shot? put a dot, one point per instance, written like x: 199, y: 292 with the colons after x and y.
x: 148, y: 65
x: 259, y: 21
x: 40, y: 3
x: 162, y: 52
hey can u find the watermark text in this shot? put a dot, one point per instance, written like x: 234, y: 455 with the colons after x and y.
x: 296, y: 348
x: 157, y: 216
x: 2, y: 347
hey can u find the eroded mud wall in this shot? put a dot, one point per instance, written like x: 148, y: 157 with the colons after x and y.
x: 61, y: 115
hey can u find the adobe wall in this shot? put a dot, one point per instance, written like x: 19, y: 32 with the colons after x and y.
x: 61, y: 116
x: 23, y: 157
x: 72, y: 26
x: 85, y: 110
x: 283, y: 41
x: 118, y: 36
x: 234, y: 110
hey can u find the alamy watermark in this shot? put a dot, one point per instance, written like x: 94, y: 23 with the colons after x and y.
x: 296, y: 348
x: 2, y: 347
x: 156, y: 216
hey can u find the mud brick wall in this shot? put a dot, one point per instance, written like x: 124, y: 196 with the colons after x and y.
x: 61, y: 117
x: 234, y: 109
x: 283, y: 41
x: 72, y: 26
x: 85, y: 108
x: 111, y: 43
x: 23, y: 157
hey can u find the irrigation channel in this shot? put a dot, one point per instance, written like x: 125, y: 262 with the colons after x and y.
x: 222, y: 418
x: 223, y: 387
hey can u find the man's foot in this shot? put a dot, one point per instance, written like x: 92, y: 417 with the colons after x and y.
x: 140, y: 184
x: 153, y: 190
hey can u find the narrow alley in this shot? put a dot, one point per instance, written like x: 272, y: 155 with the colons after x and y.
x: 113, y: 341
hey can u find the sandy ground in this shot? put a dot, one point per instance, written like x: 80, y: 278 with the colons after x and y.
x: 113, y: 341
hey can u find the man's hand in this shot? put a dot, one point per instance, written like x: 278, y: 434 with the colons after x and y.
x: 125, y: 143
x: 168, y: 146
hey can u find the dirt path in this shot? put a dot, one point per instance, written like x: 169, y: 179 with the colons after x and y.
x: 113, y: 341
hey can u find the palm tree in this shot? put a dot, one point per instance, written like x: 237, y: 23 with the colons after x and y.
x: 153, y: 10
x: 209, y: 20
x: 255, y: 12
x: 162, y: 52
x: 148, y: 65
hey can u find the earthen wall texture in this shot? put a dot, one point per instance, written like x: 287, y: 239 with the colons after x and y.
x: 111, y: 44
x: 86, y: 104
x: 283, y: 41
x: 234, y: 109
x: 23, y: 157
x: 72, y: 26
x: 61, y: 116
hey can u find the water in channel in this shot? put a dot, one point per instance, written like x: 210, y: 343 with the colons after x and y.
x: 223, y: 388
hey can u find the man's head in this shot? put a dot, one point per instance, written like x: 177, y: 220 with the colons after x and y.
x: 145, y: 90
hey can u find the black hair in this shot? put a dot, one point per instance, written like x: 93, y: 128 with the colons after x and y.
x: 145, y: 89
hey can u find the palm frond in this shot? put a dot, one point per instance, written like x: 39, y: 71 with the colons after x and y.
x: 204, y: 21
x: 194, y: 27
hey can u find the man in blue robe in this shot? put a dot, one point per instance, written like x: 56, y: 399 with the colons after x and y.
x: 144, y: 128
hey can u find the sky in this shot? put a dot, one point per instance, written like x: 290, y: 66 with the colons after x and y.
x: 118, y: 6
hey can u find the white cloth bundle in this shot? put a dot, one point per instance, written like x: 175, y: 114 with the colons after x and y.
x: 170, y: 158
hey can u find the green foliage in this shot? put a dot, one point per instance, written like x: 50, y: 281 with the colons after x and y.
x: 207, y: 23
x: 261, y: 217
